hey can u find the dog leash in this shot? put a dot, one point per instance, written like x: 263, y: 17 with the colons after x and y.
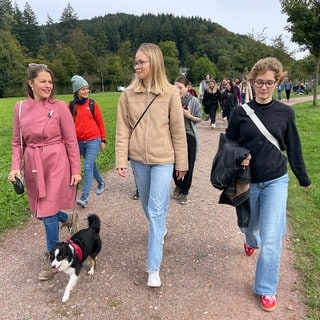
x: 74, y: 213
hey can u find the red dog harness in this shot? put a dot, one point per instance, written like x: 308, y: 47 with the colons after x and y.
x: 76, y: 248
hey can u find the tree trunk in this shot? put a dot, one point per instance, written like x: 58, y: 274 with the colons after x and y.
x: 316, y: 82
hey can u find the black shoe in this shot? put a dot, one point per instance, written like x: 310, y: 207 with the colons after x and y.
x: 136, y: 195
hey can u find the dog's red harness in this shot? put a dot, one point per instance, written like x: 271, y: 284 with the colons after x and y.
x: 76, y: 248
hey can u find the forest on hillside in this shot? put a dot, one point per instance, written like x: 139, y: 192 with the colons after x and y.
x: 102, y: 49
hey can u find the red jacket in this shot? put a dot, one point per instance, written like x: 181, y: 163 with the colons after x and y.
x: 87, y: 127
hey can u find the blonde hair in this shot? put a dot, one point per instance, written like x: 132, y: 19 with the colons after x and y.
x: 267, y: 64
x: 158, y: 80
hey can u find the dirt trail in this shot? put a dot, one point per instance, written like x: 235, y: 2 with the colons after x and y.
x: 205, y: 273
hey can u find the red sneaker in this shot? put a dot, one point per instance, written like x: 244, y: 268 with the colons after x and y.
x: 248, y: 250
x: 268, y: 303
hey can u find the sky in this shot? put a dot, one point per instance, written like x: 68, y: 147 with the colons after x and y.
x: 238, y: 16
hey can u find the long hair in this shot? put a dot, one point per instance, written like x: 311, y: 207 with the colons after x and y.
x: 157, y: 80
x: 33, y: 72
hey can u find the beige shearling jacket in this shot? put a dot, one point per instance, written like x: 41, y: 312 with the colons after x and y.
x: 160, y: 136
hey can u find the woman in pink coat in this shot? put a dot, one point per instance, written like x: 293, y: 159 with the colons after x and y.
x: 52, y: 165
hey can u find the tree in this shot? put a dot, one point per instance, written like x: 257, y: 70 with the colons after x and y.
x: 202, y: 66
x: 12, y: 66
x: 65, y: 66
x: 68, y: 21
x: 6, y: 12
x: 304, y: 24
x: 170, y: 56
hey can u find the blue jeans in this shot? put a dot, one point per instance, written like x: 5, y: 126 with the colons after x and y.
x: 154, y: 182
x: 267, y: 227
x: 90, y: 150
x: 51, y: 225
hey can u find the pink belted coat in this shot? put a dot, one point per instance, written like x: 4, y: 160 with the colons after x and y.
x: 51, y: 154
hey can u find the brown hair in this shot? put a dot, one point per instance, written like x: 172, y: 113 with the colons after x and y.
x: 183, y: 79
x: 33, y: 72
x: 267, y: 64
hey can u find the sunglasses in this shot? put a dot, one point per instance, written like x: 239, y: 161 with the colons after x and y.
x: 37, y: 65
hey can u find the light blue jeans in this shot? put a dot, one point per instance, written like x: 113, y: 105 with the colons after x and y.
x: 154, y: 182
x: 267, y: 227
x: 90, y: 150
x: 51, y: 225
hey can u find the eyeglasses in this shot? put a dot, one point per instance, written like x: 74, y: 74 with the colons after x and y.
x: 38, y: 65
x: 139, y: 63
x: 269, y: 83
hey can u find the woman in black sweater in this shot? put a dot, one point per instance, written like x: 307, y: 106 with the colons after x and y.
x: 269, y: 177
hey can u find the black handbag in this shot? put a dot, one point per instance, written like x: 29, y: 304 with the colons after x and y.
x: 18, y: 186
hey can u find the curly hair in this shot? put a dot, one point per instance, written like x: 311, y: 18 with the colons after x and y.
x: 267, y: 64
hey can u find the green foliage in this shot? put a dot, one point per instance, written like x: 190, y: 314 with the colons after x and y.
x: 12, y: 65
x: 303, y: 207
x: 83, y: 47
x: 304, y: 24
x: 171, y: 61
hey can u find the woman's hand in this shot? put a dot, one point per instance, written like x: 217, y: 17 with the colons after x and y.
x: 75, y: 179
x: 180, y: 174
x: 102, y: 146
x: 122, y: 171
x: 13, y: 174
x: 246, y: 161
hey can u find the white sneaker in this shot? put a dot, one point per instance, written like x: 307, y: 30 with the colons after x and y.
x: 154, y: 279
x: 164, y: 235
x: 213, y: 125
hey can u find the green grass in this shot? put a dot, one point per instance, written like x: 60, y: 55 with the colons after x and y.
x: 303, y: 205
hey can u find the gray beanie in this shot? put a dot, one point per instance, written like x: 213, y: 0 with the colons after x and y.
x: 78, y: 82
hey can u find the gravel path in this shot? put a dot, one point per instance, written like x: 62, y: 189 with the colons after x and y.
x: 205, y: 273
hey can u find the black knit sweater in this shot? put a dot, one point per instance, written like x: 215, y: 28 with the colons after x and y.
x: 267, y: 161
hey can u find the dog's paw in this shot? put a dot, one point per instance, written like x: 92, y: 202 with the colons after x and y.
x: 91, y: 271
x: 65, y: 297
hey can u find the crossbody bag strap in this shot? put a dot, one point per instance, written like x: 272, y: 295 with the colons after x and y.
x: 250, y: 112
x: 145, y: 110
x: 21, y: 144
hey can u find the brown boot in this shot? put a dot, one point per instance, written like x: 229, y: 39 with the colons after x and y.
x: 46, y: 273
x: 71, y: 223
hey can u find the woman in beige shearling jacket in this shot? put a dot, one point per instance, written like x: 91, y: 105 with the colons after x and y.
x: 155, y: 146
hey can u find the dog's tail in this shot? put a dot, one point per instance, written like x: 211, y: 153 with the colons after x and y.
x: 94, y: 222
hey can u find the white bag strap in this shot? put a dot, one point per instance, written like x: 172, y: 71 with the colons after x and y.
x: 250, y: 112
x: 20, y: 128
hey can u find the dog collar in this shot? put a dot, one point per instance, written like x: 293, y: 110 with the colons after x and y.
x: 76, y: 248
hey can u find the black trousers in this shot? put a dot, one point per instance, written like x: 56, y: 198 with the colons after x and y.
x: 185, y: 184
x: 288, y: 94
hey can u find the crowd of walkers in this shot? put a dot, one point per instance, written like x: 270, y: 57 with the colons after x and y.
x: 227, y: 95
x: 156, y: 134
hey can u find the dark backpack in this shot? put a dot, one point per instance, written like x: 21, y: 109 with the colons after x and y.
x: 73, y: 110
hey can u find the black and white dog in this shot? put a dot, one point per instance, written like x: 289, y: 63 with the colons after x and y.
x: 69, y: 256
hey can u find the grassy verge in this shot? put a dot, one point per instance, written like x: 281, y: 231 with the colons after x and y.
x: 303, y: 207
